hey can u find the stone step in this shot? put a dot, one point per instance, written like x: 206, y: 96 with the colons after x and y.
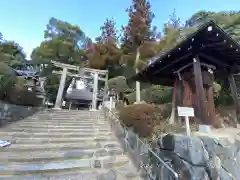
x: 75, y: 123
x: 53, y: 134
x: 70, y: 117
x: 63, y: 146
x: 37, y: 140
x: 71, y: 114
x: 75, y: 114
x: 30, y: 168
x: 80, y: 127
x: 88, y: 121
x: 91, y: 174
x: 76, y: 111
x: 60, y: 127
x: 46, y: 156
x: 65, y: 124
x: 63, y: 130
x: 52, y: 115
x: 59, y: 117
x: 85, y: 115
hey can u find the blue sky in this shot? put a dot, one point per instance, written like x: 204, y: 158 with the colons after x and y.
x: 25, y: 20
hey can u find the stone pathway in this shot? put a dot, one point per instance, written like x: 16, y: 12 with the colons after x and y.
x: 63, y: 145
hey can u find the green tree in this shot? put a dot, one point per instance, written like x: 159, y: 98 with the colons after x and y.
x: 105, y: 53
x: 137, y: 32
x: 64, y: 43
x: 138, y: 35
x: 173, y: 33
x: 221, y: 18
x: 228, y: 20
x: 11, y: 53
x: 11, y: 56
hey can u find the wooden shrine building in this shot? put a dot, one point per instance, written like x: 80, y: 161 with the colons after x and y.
x: 191, y: 68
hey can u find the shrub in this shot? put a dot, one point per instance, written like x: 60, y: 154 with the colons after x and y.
x: 118, y: 83
x: 119, y: 105
x: 153, y: 94
x: 163, y: 111
x: 21, y: 96
x: 140, y: 117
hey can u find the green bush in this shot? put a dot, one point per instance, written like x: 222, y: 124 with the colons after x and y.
x: 119, y: 105
x: 223, y: 95
x: 119, y: 84
x: 139, y: 116
x: 51, y: 85
x: 163, y: 111
x: 154, y: 94
x: 21, y: 96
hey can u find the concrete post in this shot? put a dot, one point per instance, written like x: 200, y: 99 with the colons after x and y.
x: 61, y: 89
x: 138, y: 97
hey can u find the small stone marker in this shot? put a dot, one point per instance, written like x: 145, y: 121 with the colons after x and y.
x: 204, y: 128
x: 186, y: 112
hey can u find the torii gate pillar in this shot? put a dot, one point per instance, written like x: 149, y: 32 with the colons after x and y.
x: 95, y: 91
x: 58, y: 101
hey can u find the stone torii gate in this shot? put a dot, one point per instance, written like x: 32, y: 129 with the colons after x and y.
x: 64, y: 73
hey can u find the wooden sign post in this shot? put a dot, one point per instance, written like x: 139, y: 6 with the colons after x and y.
x: 186, y: 112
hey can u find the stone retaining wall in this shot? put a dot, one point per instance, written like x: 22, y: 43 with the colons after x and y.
x: 200, y: 157
x: 11, y: 112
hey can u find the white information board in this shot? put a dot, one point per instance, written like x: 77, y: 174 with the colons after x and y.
x: 185, y: 111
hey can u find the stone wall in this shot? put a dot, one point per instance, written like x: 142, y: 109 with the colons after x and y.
x: 11, y: 112
x: 201, y: 156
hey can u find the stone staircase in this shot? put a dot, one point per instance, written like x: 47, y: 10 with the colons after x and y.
x: 63, y: 145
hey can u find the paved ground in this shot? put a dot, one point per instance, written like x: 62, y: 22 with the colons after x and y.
x: 63, y: 145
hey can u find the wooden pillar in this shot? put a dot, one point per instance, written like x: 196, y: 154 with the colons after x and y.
x: 200, y: 94
x: 211, y: 106
x: 187, y: 94
x: 61, y: 89
x: 233, y: 88
x: 174, y: 107
x: 179, y: 97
